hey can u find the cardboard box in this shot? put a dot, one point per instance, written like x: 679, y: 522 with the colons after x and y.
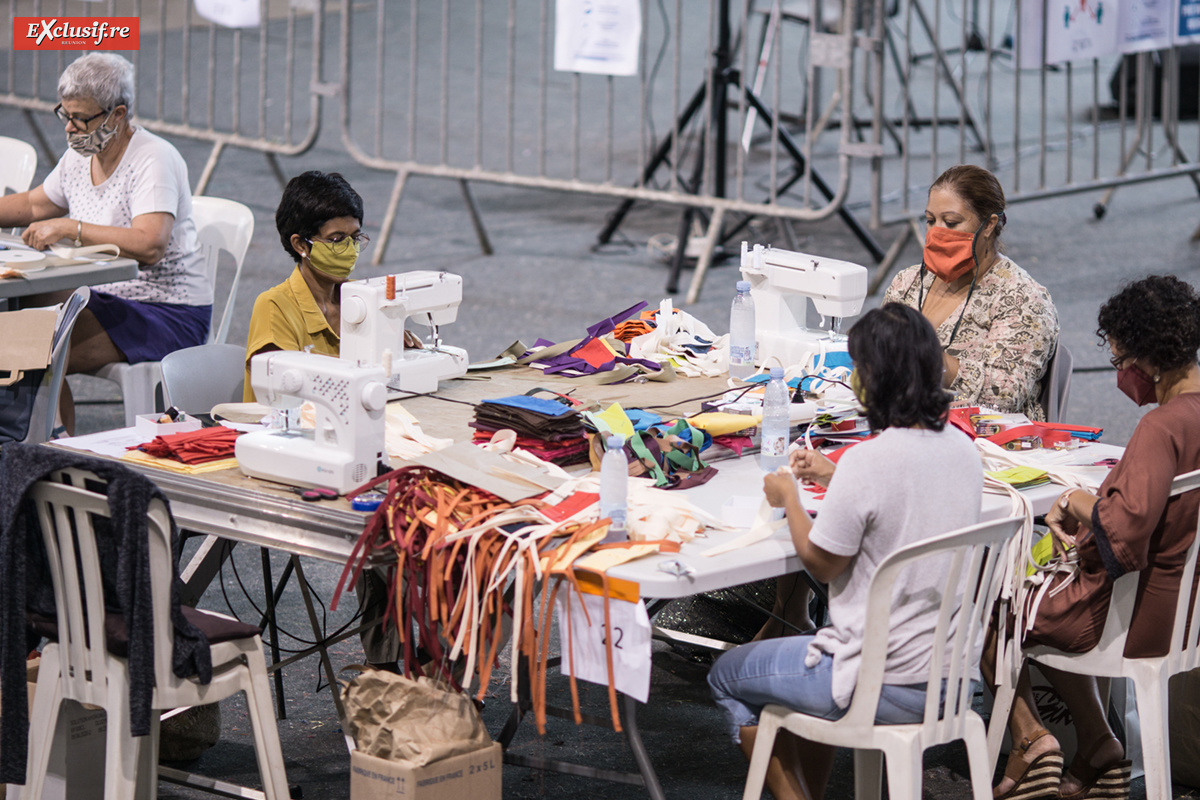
x: 79, y: 740
x: 27, y: 335
x: 474, y: 775
x: 150, y: 426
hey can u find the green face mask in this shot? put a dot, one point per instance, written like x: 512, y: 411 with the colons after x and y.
x: 324, y: 259
x: 857, y: 387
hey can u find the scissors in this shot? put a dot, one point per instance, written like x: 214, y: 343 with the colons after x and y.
x: 315, y: 493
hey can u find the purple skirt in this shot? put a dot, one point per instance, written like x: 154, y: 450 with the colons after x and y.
x: 148, y: 331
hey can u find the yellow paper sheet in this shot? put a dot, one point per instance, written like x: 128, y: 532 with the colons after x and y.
x: 171, y: 465
x: 616, y: 419
x: 1018, y: 476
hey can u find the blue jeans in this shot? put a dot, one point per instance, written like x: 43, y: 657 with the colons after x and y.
x: 754, y: 675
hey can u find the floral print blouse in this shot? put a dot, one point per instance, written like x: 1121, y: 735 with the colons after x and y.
x: 1008, y: 334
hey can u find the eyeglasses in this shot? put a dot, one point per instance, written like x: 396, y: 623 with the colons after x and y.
x: 79, y: 122
x: 339, y: 244
x: 1118, y: 361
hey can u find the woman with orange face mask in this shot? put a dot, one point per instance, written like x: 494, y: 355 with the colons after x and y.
x: 997, y: 325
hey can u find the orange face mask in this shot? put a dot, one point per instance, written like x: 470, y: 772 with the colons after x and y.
x: 949, y: 254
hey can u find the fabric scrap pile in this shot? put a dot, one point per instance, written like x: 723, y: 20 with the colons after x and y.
x: 678, y: 339
x: 193, y: 447
x: 598, y: 357
x: 465, y: 560
x: 550, y: 429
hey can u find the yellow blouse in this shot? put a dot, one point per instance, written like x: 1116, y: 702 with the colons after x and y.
x: 287, y: 317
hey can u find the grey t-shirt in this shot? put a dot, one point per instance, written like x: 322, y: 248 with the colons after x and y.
x: 904, y: 486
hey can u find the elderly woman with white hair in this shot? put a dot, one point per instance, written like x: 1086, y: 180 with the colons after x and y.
x: 123, y: 185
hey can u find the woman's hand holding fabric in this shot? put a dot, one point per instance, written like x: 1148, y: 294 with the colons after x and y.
x: 1062, y: 523
x: 42, y: 234
x: 780, y: 487
x: 809, y: 465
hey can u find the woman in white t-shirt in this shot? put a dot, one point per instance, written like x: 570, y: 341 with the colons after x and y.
x: 122, y: 185
x: 917, y: 479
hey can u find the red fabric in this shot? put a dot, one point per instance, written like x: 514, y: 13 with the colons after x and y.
x: 193, y: 447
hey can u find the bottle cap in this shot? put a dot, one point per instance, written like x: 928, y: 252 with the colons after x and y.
x: 367, y: 501
x: 615, y: 442
x: 776, y: 373
x: 743, y: 286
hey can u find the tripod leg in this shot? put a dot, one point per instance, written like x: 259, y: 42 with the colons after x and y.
x: 485, y: 244
x: 660, y: 155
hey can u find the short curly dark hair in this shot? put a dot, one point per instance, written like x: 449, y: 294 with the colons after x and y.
x: 309, y: 201
x: 899, y: 362
x: 1155, y: 319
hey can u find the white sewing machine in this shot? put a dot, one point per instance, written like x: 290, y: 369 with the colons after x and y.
x: 373, y: 315
x: 780, y: 283
x: 348, y: 441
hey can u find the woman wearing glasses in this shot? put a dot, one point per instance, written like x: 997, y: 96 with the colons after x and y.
x: 319, y: 220
x: 118, y: 184
x: 997, y: 325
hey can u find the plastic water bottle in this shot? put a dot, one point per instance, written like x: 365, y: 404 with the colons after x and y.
x: 775, y: 424
x: 614, y: 490
x: 741, y: 333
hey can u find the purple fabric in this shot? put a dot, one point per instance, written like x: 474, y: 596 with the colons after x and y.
x: 609, y: 325
x: 148, y: 331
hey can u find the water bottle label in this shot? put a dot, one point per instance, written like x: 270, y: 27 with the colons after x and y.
x: 740, y: 355
x: 774, y: 446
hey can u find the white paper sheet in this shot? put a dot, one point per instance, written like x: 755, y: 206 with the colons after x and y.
x: 106, y: 443
x: 1145, y: 25
x: 230, y: 13
x: 631, y: 643
x: 600, y: 37
x: 1082, y: 29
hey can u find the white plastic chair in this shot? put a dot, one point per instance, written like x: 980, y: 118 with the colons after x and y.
x: 220, y: 225
x: 79, y: 667
x: 1107, y: 660
x: 1056, y: 388
x: 18, y: 162
x: 45, y: 408
x: 197, y: 378
x: 973, y: 580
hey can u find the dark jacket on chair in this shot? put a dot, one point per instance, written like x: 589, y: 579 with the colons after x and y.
x: 25, y: 584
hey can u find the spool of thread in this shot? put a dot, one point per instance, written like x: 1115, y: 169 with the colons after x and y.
x: 367, y: 501
x: 391, y: 287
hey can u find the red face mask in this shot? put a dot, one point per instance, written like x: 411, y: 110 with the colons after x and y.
x: 1137, y: 385
x: 949, y: 254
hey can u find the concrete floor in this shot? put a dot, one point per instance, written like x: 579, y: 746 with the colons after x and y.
x: 545, y: 281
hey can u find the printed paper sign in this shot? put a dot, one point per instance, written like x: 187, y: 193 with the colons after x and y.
x: 601, y: 37
x: 1188, y: 22
x: 630, y: 642
x: 1145, y: 25
x: 1074, y: 30
x: 230, y: 13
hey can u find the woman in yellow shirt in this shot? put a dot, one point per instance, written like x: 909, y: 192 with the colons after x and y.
x: 319, y: 220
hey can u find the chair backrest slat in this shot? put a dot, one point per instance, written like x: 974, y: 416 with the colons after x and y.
x: 67, y: 511
x: 971, y: 587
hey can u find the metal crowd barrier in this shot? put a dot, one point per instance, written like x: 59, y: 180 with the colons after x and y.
x: 954, y: 94
x: 257, y: 89
x: 466, y: 90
